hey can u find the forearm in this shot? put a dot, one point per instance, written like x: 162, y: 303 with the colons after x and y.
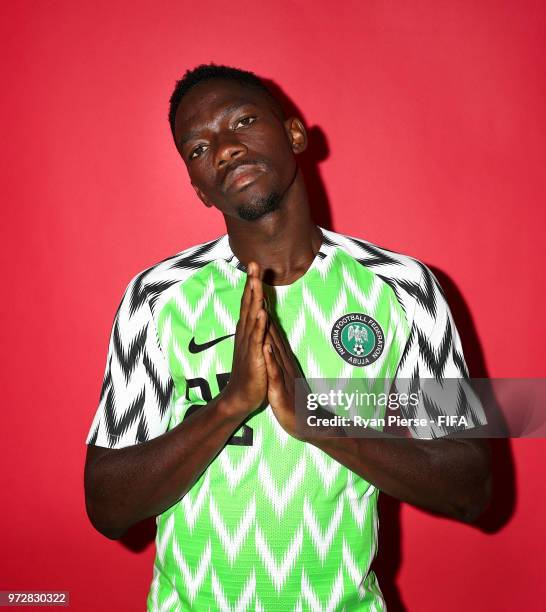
x: 449, y: 476
x: 143, y: 480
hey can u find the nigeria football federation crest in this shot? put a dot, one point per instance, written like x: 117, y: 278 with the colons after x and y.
x: 358, y: 338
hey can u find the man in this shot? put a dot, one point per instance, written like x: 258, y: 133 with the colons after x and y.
x: 197, y: 417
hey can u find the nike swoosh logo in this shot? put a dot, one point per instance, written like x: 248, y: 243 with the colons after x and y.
x: 193, y: 347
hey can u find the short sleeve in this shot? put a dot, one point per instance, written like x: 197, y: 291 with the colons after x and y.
x: 135, y: 399
x: 433, y: 362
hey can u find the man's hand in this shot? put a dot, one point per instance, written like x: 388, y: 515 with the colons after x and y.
x: 282, y: 371
x: 247, y: 386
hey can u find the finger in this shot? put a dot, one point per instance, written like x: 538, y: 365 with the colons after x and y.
x: 246, y: 321
x: 281, y: 370
x: 281, y: 338
x: 257, y: 294
x: 268, y: 337
x: 246, y: 298
x: 268, y: 299
x: 258, y: 331
x: 274, y: 372
x: 293, y: 363
x: 281, y: 352
x: 258, y: 270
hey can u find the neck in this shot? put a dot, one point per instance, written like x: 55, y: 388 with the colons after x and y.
x: 284, y: 243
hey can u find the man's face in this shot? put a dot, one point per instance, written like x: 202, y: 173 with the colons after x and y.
x: 238, y: 151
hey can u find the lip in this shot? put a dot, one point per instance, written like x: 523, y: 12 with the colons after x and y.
x: 241, y: 174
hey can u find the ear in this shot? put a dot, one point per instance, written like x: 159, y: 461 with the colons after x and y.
x: 296, y: 134
x: 202, y: 197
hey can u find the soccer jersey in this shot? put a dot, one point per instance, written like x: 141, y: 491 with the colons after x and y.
x: 273, y: 523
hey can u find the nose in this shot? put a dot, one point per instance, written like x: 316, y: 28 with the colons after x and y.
x: 228, y: 150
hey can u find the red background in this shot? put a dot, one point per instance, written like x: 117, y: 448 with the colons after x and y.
x: 427, y: 128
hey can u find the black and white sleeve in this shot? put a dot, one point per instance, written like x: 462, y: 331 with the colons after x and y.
x: 433, y: 362
x: 135, y: 399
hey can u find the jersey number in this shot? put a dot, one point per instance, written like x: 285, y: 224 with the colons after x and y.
x: 246, y: 439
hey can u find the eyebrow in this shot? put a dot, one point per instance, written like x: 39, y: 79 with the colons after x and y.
x: 228, y: 109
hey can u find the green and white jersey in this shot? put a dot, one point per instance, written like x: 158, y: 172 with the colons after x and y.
x: 273, y: 523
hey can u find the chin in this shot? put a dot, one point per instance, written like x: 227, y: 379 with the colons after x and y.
x: 257, y: 207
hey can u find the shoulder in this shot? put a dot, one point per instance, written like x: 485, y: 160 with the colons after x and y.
x: 153, y: 282
x: 385, y: 262
x: 411, y: 280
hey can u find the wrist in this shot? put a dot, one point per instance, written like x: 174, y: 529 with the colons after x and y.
x: 231, y: 405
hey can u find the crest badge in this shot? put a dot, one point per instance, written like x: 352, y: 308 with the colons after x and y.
x: 358, y: 338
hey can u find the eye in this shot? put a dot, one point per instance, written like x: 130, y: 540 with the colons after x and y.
x: 192, y: 156
x: 245, y: 121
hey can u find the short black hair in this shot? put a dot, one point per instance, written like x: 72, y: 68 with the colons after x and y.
x: 205, y: 72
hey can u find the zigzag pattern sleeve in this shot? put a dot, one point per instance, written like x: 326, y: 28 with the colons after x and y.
x: 135, y: 399
x: 434, y: 352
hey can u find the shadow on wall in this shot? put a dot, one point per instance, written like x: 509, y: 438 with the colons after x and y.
x: 308, y: 161
x: 389, y: 557
x: 388, y: 561
x: 504, y: 492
